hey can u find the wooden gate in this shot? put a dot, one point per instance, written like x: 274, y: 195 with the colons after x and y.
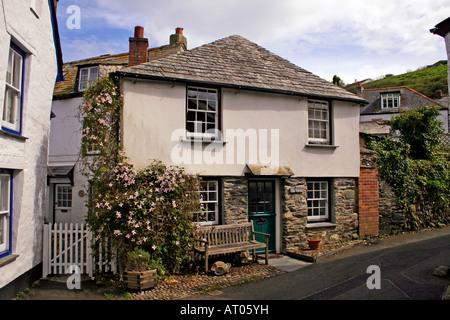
x: 71, y: 245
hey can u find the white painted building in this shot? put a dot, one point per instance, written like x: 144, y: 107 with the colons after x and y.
x: 30, y: 60
x: 296, y: 172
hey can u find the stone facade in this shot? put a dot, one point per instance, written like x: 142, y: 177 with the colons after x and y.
x: 295, y: 229
x: 235, y: 200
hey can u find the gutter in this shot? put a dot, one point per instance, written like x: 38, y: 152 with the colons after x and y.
x: 56, y: 40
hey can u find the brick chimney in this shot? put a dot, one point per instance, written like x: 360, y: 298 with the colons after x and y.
x: 178, y: 38
x: 138, y: 47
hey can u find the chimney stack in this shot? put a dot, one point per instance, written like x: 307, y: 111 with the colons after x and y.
x: 178, y: 38
x: 359, y: 89
x: 138, y: 47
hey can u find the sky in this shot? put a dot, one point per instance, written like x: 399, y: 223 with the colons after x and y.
x: 353, y: 39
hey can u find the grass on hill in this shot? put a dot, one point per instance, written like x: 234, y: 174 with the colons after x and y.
x: 426, y: 81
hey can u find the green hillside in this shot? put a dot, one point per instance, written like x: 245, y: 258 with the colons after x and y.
x: 426, y: 81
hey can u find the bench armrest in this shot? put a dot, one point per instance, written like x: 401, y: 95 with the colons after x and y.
x: 262, y: 233
x: 202, y: 240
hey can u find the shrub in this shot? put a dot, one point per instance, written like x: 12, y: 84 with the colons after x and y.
x: 149, y: 209
x: 417, y: 168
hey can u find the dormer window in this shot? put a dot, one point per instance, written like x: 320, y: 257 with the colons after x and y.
x: 87, y: 77
x: 390, y: 100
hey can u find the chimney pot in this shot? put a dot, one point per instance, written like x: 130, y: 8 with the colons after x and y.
x: 179, y: 30
x: 138, y: 32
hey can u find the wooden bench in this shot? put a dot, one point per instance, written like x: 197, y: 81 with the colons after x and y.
x: 223, y: 239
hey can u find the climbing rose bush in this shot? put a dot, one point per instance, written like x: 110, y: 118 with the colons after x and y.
x: 149, y: 209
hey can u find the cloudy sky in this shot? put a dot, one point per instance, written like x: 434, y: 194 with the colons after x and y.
x: 353, y: 39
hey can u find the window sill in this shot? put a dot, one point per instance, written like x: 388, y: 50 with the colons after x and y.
x: 202, y: 140
x: 313, y: 225
x: 8, y: 259
x: 13, y: 135
x: 318, y: 145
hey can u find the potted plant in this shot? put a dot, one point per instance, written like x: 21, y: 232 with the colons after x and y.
x: 314, y: 243
x: 140, y: 270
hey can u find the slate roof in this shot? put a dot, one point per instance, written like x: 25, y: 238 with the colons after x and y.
x: 409, y: 99
x: 115, y: 62
x: 237, y: 62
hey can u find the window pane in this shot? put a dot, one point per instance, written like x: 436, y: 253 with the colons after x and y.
x: 192, y: 104
x: 2, y: 229
x: 17, y: 69
x: 93, y: 74
x: 202, y: 94
x: 192, y: 93
x: 190, y: 126
x: 202, y: 104
x: 4, y: 193
x: 10, y: 66
x: 190, y: 116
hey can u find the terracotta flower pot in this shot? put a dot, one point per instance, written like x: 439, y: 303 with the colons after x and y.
x: 314, y: 244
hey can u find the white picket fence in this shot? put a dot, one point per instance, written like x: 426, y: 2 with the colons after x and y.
x: 66, y: 245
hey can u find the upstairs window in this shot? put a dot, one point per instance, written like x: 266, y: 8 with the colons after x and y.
x: 87, y: 77
x: 318, y: 122
x: 390, y: 100
x: 12, y: 106
x: 202, y: 117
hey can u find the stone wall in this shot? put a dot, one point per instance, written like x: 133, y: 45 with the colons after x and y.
x: 295, y: 227
x: 235, y: 200
x: 391, y: 216
x: 293, y: 213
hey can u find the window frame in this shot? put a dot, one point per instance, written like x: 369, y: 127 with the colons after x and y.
x: 63, y: 201
x: 16, y: 127
x: 321, y: 217
x: 88, y: 83
x: 202, y: 202
x: 6, y: 248
x: 391, y: 97
x: 217, y: 113
x: 328, y: 121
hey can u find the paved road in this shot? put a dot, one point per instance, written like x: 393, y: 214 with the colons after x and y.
x: 406, y: 264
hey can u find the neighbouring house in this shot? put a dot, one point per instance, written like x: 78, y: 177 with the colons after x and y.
x: 67, y: 185
x: 30, y: 63
x: 273, y: 143
x: 384, y: 103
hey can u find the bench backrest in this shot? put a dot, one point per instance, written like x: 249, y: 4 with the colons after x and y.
x: 226, y: 234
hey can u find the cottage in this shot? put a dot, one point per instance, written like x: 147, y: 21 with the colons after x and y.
x: 273, y: 143
x: 384, y: 103
x: 30, y: 63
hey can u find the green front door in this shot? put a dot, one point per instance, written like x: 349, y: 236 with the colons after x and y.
x: 261, y: 209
